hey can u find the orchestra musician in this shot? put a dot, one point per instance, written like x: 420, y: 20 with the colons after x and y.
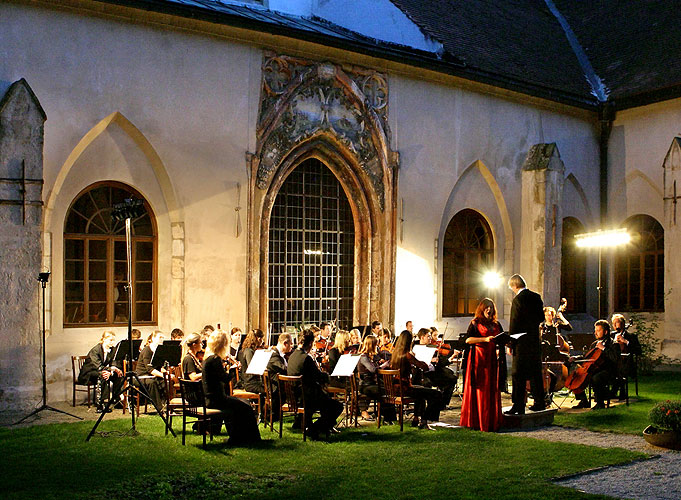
x: 150, y: 377
x: 386, y: 344
x: 481, y: 406
x: 277, y: 365
x: 255, y: 339
x: 369, y: 362
x: 555, y: 347
x: 100, y: 369
x: 316, y: 398
x: 355, y: 338
x: 438, y: 375
x: 629, y: 347
x: 527, y: 312
x: 234, y: 342
x: 191, y: 365
x: 341, y: 345
x: 603, y: 373
x: 428, y: 401
x: 240, y: 420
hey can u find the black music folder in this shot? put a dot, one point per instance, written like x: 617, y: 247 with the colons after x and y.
x: 123, y: 349
x: 166, y: 352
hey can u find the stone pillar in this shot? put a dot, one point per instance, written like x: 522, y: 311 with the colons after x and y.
x: 21, y: 171
x: 541, y: 221
x: 671, y: 344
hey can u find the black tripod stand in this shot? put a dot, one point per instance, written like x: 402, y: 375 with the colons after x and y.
x: 127, y: 211
x: 43, y: 277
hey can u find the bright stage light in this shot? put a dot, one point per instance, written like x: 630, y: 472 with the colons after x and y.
x: 603, y: 239
x: 491, y: 279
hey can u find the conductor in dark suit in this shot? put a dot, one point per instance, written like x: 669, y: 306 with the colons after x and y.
x: 527, y: 312
x: 316, y: 398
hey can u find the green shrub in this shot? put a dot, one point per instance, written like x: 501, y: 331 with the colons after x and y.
x: 666, y: 415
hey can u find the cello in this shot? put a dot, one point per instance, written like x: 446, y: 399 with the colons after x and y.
x: 578, y: 380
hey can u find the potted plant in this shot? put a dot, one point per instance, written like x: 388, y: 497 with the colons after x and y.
x: 665, y: 428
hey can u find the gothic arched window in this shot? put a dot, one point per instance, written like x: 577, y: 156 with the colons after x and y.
x: 95, y: 260
x: 468, y: 252
x: 573, y: 267
x: 639, y: 267
x: 311, y: 250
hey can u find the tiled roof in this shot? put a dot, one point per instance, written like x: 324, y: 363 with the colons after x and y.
x: 634, y: 46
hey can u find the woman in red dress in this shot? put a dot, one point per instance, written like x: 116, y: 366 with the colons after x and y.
x: 481, y: 408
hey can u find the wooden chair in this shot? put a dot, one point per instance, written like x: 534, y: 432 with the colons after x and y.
x: 194, y: 407
x: 268, y: 409
x: 247, y: 396
x: 77, y: 363
x: 344, y: 395
x: 289, y: 388
x: 392, y: 391
x: 356, y: 397
x: 173, y: 403
x: 136, y: 397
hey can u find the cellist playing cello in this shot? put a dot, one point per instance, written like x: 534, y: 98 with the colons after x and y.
x: 602, y: 371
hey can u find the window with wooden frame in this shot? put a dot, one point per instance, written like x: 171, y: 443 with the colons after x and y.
x: 95, y: 260
x: 639, y: 267
x: 573, y: 267
x: 468, y: 252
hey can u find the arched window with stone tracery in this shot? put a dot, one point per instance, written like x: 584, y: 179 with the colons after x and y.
x: 639, y: 267
x: 95, y: 260
x: 573, y: 267
x: 467, y: 253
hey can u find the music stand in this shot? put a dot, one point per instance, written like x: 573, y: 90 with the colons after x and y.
x: 128, y: 210
x: 166, y: 355
x: 43, y: 277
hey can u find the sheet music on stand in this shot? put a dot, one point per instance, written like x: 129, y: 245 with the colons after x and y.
x: 424, y: 353
x: 346, y: 365
x: 258, y: 363
x: 166, y: 352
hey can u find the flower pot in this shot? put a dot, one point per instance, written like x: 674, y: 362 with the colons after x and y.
x: 662, y: 438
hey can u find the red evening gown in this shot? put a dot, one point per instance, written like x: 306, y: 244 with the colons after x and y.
x: 481, y: 408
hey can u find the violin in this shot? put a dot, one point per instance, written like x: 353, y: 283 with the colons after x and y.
x: 443, y: 349
x: 351, y: 349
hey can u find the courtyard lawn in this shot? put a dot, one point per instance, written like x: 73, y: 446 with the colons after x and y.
x: 630, y: 419
x: 54, y: 461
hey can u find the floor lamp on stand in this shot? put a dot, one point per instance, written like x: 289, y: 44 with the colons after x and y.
x: 43, y: 278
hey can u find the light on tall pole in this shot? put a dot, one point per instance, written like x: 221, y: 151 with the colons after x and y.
x: 491, y: 280
x: 600, y: 240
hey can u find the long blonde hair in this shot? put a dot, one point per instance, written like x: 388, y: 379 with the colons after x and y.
x: 342, y: 340
x: 217, y: 344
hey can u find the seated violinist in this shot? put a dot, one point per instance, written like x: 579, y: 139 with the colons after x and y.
x: 191, y: 365
x: 605, y: 368
x: 150, y: 377
x: 240, y: 419
x: 442, y: 376
x: 316, y: 398
x: 629, y: 347
x: 386, y: 344
x: 255, y: 339
x: 369, y: 362
x: 355, y: 339
x: 341, y: 345
x: 277, y: 365
x: 428, y: 401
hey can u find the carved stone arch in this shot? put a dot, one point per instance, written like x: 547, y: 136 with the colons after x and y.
x: 174, y: 210
x: 338, y: 116
x: 637, y: 174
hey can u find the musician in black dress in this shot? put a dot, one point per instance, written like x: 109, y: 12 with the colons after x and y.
x: 604, y: 373
x: 240, y: 419
x: 191, y: 366
x: 554, y: 345
x: 369, y: 362
x: 254, y: 340
x: 100, y: 369
x: 630, y: 349
x: 150, y: 377
x: 316, y: 398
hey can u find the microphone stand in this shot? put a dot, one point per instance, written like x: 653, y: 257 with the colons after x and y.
x: 43, y: 277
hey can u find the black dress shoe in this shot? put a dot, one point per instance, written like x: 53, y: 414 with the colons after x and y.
x: 582, y: 404
x: 598, y: 406
x: 537, y: 408
x: 514, y: 411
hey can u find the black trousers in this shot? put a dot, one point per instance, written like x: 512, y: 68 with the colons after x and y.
x: 428, y: 402
x: 329, y: 410
x: 521, y: 374
x: 371, y: 391
x: 445, y: 380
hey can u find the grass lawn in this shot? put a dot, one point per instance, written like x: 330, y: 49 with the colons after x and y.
x: 630, y: 419
x: 54, y: 461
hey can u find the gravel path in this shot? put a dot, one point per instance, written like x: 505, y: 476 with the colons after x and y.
x: 655, y: 478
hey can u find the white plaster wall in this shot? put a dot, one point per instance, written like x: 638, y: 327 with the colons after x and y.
x: 194, y: 98
x: 639, y: 143
x: 440, y: 132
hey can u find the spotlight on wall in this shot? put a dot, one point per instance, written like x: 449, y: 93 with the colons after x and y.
x: 491, y: 280
x: 603, y: 239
